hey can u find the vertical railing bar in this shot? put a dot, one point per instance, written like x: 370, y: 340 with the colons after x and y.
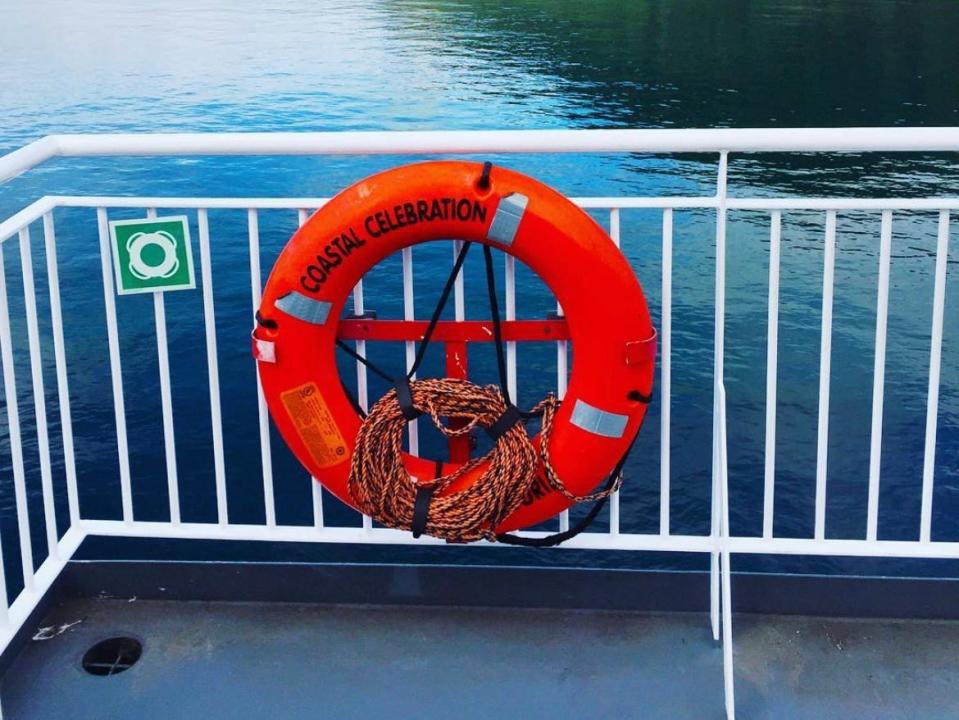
x: 879, y: 372
x: 166, y: 401
x: 459, y: 299
x: 614, y: 515
x: 727, y: 579
x: 935, y: 365
x: 409, y: 315
x: 39, y: 394
x: 772, y: 371
x: 362, y: 392
x: 825, y: 360
x: 562, y: 379
x: 4, y: 607
x: 116, y: 370
x: 718, y: 350
x: 665, y: 371
x: 510, y: 273
x: 60, y: 358
x: 266, y: 455
x: 212, y: 366
x: 16, y: 441
x: 316, y: 490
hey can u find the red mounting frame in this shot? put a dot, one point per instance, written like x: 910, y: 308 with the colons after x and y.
x: 454, y: 336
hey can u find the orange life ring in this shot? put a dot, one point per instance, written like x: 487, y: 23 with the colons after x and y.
x: 603, y: 303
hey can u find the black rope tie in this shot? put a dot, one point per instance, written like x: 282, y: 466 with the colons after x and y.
x: 483, y: 183
x: 404, y: 397
x: 421, y: 509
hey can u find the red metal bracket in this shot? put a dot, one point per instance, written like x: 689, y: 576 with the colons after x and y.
x: 455, y: 336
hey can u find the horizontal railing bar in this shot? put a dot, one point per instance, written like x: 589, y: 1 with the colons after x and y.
x: 584, y: 541
x: 838, y: 203
x: 28, y: 599
x: 748, y: 140
x: 19, y: 220
x: 209, y: 203
x: 378, y: 536
x: 843, y: 548
x: 27, y: 157
x: 625, y: 203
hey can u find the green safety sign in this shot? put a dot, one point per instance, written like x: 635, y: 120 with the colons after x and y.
x: 152, y: 255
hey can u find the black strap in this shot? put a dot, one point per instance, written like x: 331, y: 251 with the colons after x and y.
x: 421, y: 509
x: 421, y: 350
x: 438, y: 310
x: 369, y: 363
x: 483, y: 183
x: 498, y: 336
x: 507, y: 420
x: 405, y: 398
x: 497, y: 330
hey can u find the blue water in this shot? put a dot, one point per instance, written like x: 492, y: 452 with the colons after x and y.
x: 99, y: 66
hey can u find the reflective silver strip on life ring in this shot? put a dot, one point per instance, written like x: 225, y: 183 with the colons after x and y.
x: 505, y: 223
x: 304, y: 308
x: 599, y: 422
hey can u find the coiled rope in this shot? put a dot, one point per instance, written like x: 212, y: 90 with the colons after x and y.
x: 384, y: 489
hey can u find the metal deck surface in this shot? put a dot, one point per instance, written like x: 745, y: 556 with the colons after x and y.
x: 222, y: 660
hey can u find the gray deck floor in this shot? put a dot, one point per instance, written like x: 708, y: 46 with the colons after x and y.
x: 213, y: 660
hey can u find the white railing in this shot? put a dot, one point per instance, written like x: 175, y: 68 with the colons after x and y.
x: 719, y: 543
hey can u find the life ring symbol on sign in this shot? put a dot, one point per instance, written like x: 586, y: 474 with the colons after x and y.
x: 605, y: 314
x: 140, y: 268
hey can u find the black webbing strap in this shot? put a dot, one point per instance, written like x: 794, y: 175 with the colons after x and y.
x: 438, y: 310
x: 498, y: 339
x: 368, y: 363
x: 421, y: 504
x: 421, y: 509
x: 404, y: 398
x: 508, y: 419
x: 483, y: 183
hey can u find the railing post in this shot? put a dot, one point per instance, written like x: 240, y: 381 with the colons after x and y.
x: 718, y: 349
x: 665, y: 371
x: 39, y: 395
x: 409, y: 314
x: 727, y: 573
x: 116, y: 371
x: 825, y: 362
x: 879, y: 375
x: 266, y: 454
x: 772, y: 372
x: 212, y: 366
x: 16, y: 439
x: 166, y: 400
x: 935, y: 366
x: 60, y: 359
x: 614, y: 233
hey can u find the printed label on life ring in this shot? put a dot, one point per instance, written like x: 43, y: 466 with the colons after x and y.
x: 315, y: 425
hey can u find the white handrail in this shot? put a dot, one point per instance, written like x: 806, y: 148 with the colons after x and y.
x: 468, y: 142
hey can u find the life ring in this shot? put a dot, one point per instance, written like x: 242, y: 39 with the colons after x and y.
x: 608, y: 319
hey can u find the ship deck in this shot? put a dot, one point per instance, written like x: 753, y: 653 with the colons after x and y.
x: 270, y: 660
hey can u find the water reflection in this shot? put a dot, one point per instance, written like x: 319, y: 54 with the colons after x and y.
x: 105, y: 65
